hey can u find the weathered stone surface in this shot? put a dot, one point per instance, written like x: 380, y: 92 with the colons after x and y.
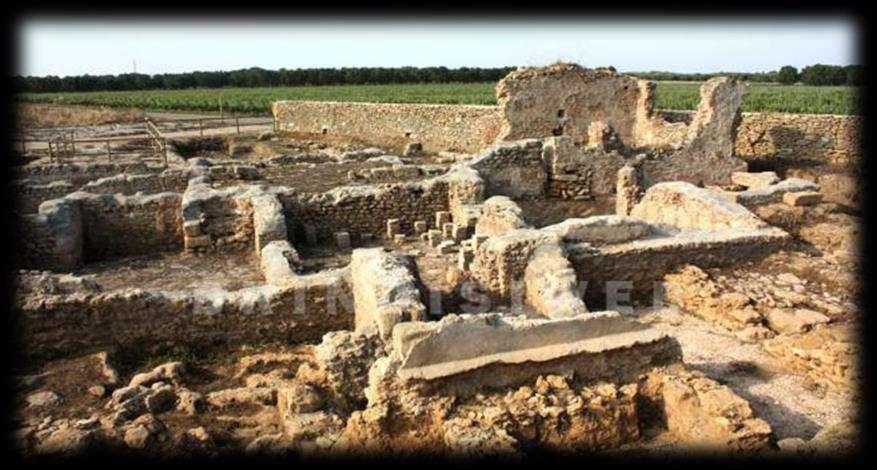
x: 628, y: 189
x: 499, y: 214
x: 700, y: 410
x: 551, y: 283
x: 774, y: 192
x: 460, y: 344
x: 384, y: 289
x: 802, y: 198
x: 789, y: 321
x: 600, y: 229
x: 754, y: 180
x: 683, y: 205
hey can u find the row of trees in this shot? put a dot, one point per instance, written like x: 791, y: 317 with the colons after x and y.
x: 258, y: 77
x: 818, y: 74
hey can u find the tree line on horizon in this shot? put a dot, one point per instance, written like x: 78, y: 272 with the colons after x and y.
x: 817, y: 74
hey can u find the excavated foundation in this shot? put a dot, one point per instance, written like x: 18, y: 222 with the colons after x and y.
x: 336, y: 299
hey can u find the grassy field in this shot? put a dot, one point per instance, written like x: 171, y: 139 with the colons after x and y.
x: 671, y: 95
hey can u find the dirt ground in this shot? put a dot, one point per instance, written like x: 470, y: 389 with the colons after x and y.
x: 177, y: 271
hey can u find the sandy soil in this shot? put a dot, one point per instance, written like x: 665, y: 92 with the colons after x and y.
x: 177, y: 271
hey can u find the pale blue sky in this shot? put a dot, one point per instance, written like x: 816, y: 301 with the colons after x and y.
x: 67, y: 46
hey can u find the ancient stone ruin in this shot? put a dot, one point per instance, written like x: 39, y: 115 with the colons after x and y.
x: 471, y: 294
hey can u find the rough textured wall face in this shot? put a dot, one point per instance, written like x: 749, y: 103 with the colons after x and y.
x: 567, y: 98
x: 822, y: 138
x: 460, y: 128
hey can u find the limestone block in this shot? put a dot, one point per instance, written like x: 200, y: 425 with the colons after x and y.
x: 551, y: 283
x: 434, y: 237
x: 385, y: 291
x: 788, y: 321
x: 601, y: 229
x: 684, y: 205
x: 441, y: 218
x: 525, y: 348
x: 802, y: 198
x: 774, y: 192
x: 394, y: 226
x: 420, y: 226
x: 754, y: 180
x: 448, y: 230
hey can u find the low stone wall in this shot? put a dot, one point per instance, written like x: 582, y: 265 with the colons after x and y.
x: 28, y: 197
x: 84, y: 227
x: 642, y: 263
x: 115, y: 226
x: 52, y: 238
x: 79, y: 174
x: 217, y: 219
x: 304, y: 309
x: 822, y: 138
x: 168, y: 180
x: 363, y: 210
x: 513, y: 169
x: 459, y: 128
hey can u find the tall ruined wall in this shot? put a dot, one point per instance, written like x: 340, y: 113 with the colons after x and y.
x: 568, y: 99
x: 461, y: 128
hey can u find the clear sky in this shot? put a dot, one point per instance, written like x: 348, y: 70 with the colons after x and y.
x: 68, y: 46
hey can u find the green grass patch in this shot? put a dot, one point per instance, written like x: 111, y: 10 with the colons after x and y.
x: 670, y: 95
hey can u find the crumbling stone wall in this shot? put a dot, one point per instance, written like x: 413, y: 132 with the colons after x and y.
x: 217, y: 219
x: 83, y: 227
x: 365, y: 209
x: 79, y: 174
x: 52, y: 238
x: 513, y: 169
x: 697, y: 409
x: 499, y: 214
x: 823, y: 138
x: 807, y: 138
x: 28, y: 197
x: 391, y: 125
x: 565, y: 99
x: 115, y: 226
x: 303, y: 309
x: 168, y: 180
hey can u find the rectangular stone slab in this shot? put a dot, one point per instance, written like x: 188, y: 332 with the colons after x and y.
x: 459, y: 344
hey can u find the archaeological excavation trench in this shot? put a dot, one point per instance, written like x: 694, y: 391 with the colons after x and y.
x: 551, y: 274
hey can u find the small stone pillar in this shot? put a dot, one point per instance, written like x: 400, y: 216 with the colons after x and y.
x: 394, y: 226
x: 628, y: 188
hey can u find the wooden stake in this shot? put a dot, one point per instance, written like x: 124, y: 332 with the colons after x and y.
x: 237, y: 124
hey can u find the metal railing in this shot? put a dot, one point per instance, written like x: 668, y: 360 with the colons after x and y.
x: 64, y: 143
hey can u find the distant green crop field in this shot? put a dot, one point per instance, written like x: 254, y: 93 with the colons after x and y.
x: 670, y: 95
